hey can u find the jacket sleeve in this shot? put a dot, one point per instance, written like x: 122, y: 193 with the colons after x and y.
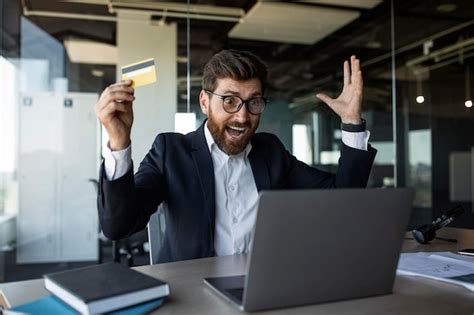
x: 353, y: 170
x: 126, y: 204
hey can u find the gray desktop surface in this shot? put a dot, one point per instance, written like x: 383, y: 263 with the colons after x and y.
x: 189, y: 295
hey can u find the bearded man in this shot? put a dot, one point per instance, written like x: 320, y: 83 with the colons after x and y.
x: 208, y: 180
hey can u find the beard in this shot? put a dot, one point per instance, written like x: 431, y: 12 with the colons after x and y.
x: 219, y: 133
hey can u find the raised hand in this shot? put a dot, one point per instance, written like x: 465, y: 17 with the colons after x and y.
x: 114, y: 110
x: 348, y: 105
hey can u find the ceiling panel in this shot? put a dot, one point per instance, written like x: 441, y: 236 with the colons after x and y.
x: 84, y: 51
x: 361, y: 4
x: 291, y: 23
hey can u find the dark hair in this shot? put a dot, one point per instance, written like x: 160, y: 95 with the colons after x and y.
x: 235, y: 64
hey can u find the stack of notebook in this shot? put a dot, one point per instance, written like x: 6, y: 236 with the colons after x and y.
x: 100, y: 289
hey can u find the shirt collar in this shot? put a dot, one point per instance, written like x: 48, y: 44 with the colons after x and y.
x: 210, y: 142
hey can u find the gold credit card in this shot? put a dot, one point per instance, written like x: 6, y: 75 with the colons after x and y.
x: 141, y: 73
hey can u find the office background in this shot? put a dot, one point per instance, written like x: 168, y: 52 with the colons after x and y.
x: 57, y: 56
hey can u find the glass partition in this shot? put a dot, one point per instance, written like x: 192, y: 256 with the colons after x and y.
x: 434, y: 54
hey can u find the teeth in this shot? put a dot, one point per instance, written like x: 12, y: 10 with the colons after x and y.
x: 236, y: 128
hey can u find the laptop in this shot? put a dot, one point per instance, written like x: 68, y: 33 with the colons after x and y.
x: 314, y: 246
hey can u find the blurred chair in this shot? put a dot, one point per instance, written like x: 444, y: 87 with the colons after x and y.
x: 127, y: 247
x: 156, y: 231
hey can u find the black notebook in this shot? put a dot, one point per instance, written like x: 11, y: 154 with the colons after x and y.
x: 103, y: 288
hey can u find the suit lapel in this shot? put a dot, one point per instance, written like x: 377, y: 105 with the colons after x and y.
x: 259, y: 167
x: 203, y: 162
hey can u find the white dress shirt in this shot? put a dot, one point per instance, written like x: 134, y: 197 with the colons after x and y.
x: 236, y: 199
x: 235, y: 189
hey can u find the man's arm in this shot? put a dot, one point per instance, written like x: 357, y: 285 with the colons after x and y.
x: 353, y: 170
x: 356, y: 140
x: 117, y: 163
x: 357, y: 155
x: 124, y: 205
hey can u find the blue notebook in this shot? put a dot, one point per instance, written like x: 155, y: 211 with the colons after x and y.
x: 52, y: 305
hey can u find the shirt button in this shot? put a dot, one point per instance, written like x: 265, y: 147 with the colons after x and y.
x: 232, y: 188
x: 234, y: 220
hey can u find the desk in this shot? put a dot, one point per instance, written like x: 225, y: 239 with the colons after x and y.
x: 190, y: 296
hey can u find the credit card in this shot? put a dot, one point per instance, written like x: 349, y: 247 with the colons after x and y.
x: 141, y: 73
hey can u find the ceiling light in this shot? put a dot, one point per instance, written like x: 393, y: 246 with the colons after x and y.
x: 291, y: 23
x: 91, y: 52
x: 420, y: 99
x: 182, y: 59
x: 97, y: 73
x: 373, y: 45
x: 467, y: 81
x: 446, y: 7
x: 419, y: 91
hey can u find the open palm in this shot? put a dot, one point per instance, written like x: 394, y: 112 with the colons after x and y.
x: 348, y: 104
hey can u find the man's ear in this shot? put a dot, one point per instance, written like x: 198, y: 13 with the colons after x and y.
x: 204, y: 102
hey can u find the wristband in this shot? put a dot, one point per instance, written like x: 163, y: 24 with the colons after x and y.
x: 354, y: 128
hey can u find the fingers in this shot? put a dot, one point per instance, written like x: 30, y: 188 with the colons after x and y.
x: 121, y: 86
x: 122, y: 83
x: 356, y: 76
x: 325, y: 98
x: 117, y: 97
x: 124, y: 107
x: 121, y: 91
x: 356, y: 73
x: 352, y: 72
x: 112, y: 110
x: 117, y: 92
x: 347, y: 75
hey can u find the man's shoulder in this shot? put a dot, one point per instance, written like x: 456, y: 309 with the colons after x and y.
x: 266, y: 139
x: 173, y: 135
x: 174, y: 139
x: 262, y: 136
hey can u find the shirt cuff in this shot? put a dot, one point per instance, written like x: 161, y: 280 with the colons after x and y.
x: 356, y: 140
x: 117, y: 163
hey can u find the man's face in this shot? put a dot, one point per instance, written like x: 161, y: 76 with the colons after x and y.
x: 231, y: 132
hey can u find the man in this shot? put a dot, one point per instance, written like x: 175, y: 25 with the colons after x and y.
x: 208, y: 180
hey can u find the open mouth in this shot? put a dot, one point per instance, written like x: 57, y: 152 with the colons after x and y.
x: 235, y: 132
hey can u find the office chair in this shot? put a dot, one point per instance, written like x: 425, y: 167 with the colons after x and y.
x: 127, y: 247
x: 156, y: 231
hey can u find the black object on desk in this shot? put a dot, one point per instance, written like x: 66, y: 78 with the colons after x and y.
x: 427, y: 233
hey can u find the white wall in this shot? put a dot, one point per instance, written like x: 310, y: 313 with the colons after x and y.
x: 155, y: 104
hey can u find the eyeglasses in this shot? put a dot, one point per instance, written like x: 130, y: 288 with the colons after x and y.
x: 233, y: 103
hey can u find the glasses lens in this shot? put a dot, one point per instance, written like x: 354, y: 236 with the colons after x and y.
x: 231, y: 103
x: 256, y: 105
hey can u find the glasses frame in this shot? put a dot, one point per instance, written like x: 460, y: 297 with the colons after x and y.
x: 242, y: 102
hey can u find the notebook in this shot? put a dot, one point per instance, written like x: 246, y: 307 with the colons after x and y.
x: 52, y: 305
x: 104, y: 288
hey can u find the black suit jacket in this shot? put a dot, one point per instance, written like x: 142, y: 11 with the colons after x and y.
x: 178, y: 172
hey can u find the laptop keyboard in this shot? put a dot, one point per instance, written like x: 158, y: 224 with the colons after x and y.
x: 238, y: 293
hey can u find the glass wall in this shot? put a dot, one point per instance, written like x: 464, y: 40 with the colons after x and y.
x: 434, y: 57
x: 49, y: 142
x: 416, y: 58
